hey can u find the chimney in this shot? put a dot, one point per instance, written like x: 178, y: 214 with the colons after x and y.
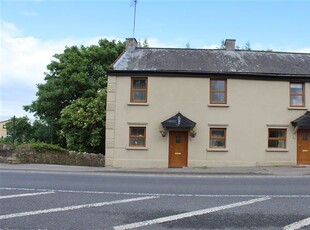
x: 230, y: 44
x: 131, y: 43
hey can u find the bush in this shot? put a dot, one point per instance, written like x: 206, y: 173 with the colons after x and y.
x: 41, y: 147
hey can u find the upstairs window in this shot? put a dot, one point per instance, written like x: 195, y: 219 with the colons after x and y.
x: 218, y: 92
x: 297, y: 94
x: 277, y: 138
x: 138, y: 92
x: 137, y: 136
x: 217, y: 138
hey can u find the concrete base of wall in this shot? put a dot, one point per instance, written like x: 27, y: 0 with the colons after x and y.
x: 134, y: 163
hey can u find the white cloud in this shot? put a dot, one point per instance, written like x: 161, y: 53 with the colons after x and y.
x: 24, y: 58
x: 23, y: 63
x: 212, y: 46
x: 301, y: 50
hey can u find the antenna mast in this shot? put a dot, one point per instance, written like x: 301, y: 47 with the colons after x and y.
x: 134, y: 17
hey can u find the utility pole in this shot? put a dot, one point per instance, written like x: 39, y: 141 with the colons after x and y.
x: 14, y: 129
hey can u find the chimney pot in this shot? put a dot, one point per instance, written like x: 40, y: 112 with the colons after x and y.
x: 230, y: 44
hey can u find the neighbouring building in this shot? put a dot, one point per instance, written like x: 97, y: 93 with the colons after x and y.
x: 169, y: 107
x: 3, y: 131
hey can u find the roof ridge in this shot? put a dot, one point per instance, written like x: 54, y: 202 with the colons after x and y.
x: 236, y: 50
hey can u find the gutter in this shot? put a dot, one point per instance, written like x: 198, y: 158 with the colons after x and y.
x: 232, y: 75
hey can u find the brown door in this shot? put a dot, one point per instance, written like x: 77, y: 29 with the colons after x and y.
x: 178, y: 141
x: 303, y: 146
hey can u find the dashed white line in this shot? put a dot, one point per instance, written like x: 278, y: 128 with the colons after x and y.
x: 187, y: 214
x: 26, y: 194
x: 68, y: 208
x: 298, y: 225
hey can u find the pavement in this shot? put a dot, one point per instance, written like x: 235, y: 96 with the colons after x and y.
x: 247, y: 171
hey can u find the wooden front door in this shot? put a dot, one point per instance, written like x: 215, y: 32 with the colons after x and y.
x: 178, y: 142
x: 303, y: 146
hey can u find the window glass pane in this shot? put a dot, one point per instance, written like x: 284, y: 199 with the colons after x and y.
x: 217, y: 143
x: 217, y: 133
x: 218, y: 97
x: 276, y: 133
x: 218, y: 85
x: 296, y: 100
x: 137, y: 141
x: 305, y: 136
x: 177, y: 139
x: 139, y: 95
x: 296, y: 88
x: 139, y: 84
x: 276, y: 144
x: 137, y: 132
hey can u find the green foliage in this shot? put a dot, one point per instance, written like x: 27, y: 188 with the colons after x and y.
x: 19, y: 130
x: 82, y: 123
x: 77, y: 72
x: 247, y: 46
x: 41, y: 131
x: 41, y: 147
x: 72, y: 83
x: 145, y: 43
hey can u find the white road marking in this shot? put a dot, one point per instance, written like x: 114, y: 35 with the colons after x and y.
x: 162, y: 194
x: 43, y: 211
x: 298, y: 225
x: 26, y: 194
x: 188, y: 214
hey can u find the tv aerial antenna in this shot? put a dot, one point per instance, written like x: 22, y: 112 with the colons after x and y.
x: 134, y: 4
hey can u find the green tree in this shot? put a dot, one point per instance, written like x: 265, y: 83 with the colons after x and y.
x: 19, y: 129
x: 247, y: 46
x: 83, y: 122
x: 145, y: 43
x: 78, y: 72
x: 42, y: 132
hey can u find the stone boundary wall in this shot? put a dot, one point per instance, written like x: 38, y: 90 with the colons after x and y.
x: 9, y: 154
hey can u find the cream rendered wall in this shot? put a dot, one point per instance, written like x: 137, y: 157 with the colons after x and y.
x: 252, y: 107
x: 3, y: 131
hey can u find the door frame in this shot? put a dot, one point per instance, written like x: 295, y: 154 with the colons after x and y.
x: 185, y: 133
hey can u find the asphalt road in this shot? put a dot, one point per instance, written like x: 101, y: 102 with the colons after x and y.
x: 51, y: 200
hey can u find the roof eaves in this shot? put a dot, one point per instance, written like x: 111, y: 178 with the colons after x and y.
x: 207, y: 74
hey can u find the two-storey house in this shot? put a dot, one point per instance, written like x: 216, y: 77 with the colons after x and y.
x: 169, y: 107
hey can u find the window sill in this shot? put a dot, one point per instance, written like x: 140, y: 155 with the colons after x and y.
x: 218, y: 105
x: 138, y: 104
x: 217, y: 150
x: 136, y: 148
x: 277, y: 150
x: 297, y: 108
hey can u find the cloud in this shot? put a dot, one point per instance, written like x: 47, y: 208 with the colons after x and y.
x: 23, y: 63
x: 301, y: 50
x: 212, y: 46
x: 24, y: 58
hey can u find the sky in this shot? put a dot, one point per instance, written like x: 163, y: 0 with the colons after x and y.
x: 32, y: 31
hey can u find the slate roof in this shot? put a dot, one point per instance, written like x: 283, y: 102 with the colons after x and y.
x: 303, y: 121
x: 178, y: 121
x: 213, y: 61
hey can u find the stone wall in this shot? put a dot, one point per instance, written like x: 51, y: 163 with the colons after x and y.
x: 9, y: 154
